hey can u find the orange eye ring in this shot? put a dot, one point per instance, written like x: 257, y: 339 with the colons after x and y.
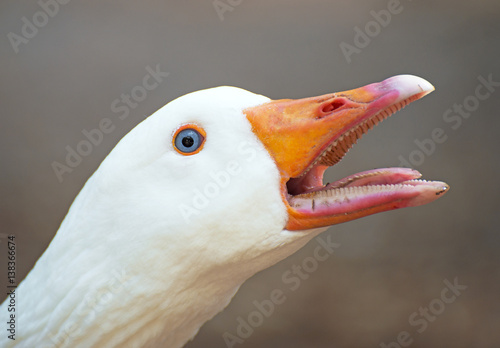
x: 189, y: 139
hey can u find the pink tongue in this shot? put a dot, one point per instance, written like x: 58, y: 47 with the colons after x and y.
x: 382, y: 176
x: 313, y: 181
x: 352, y: 199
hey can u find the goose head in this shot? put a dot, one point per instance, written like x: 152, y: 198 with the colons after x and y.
x: 212, y: 188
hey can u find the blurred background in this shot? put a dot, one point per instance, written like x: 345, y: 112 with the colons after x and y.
x: 63, y: 76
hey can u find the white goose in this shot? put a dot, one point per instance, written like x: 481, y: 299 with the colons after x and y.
x: 212, y: 188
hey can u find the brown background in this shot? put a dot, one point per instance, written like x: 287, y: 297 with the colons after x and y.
x: 389, y: 265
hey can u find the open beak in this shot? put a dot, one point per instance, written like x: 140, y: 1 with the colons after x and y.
x: 306, y: 136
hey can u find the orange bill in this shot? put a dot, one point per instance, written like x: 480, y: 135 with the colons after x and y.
x: 306, y: 136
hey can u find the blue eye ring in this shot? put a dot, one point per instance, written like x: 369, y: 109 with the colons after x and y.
x: 189, y: 139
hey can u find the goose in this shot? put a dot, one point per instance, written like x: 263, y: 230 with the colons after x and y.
x: 212, y: 188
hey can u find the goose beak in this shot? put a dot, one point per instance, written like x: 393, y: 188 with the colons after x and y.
x: 306, y: 136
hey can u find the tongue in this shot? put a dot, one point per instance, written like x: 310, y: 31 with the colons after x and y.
x: 377, y: 190
x: 382, y: 176
x: 313, y: 181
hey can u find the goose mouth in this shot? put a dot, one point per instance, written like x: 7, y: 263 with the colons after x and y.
x: 308, y: 194
x: 307, y: 136
x: 376, y: 190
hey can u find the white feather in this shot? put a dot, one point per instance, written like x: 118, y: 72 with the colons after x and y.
x: 132, y: 265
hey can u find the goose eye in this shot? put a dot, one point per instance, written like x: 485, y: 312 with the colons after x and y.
x: 189, y: 139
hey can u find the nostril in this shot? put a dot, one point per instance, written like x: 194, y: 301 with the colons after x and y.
x: 333, y: 105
